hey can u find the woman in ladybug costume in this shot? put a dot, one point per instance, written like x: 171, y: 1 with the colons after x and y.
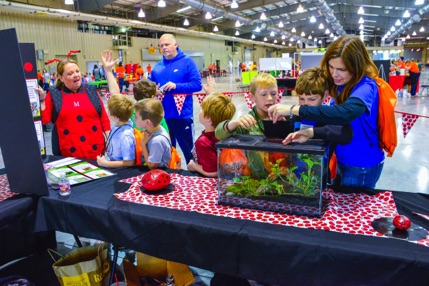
x: 80, y: 119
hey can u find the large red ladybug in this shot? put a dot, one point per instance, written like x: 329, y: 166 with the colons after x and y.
x: 401, y: 222
x: 155, y: 180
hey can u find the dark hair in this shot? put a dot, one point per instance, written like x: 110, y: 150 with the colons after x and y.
x: 356, y: 59
x: 144, y: 88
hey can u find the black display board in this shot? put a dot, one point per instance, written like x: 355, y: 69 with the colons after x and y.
x: 18, y: 139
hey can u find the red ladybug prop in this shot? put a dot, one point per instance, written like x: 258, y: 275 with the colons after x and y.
x: 155, y: 180
x: 401, y: 222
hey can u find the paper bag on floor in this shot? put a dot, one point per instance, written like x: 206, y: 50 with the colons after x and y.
x: 150, y: 266
x: 82, y: 266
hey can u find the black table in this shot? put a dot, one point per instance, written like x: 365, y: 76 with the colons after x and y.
x: 17, y: 236
x: 264, y: 252
x: 287, y: 83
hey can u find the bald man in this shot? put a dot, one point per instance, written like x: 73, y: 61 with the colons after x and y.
x: 177, y: 73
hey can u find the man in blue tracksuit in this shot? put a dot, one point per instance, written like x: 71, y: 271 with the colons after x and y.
x: 177, y: 73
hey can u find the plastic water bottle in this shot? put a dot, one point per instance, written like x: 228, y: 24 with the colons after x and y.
x: 64, y: 185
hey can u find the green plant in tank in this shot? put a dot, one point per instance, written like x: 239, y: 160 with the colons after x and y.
x: 304, y: 184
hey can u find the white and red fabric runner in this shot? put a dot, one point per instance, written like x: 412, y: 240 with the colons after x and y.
x: 345, y: 213
x: 5, y: 192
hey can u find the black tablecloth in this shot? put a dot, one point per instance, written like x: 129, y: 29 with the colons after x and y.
x: 17, y: 236
x: 264, y: 252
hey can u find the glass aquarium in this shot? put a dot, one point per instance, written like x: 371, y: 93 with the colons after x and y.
x: 261, y: 173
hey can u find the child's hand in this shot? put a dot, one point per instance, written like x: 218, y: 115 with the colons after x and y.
x: 191, y: 165
x: 101, y: 161
x: 146, y: 137
x: 300, y: 136
x: 107, y: 60
x: 246, y: 121
x: 210, y: 86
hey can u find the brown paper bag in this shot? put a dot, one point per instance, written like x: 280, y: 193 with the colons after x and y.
x: 150, y: 266
x: 83, y: 266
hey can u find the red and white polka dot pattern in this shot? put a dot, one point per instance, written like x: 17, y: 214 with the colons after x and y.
x: 249, y: 102
x: 408, y: 121
x: 345, y: 213
x: 200, y: 97
x: 5, y: 192
x: 179, y: 99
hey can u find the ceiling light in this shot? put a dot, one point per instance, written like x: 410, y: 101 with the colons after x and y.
x: 293, y: 30
x: 361, y: 32
x: 335, y: 38
x: 422, y: 29
x: 298, y: 41
x: 217, y: 19
x: 186, y: 22
x: 398, y: 23
x: 408, y: 36
x: 292, y: 39
x: 310, y: 37
x: 360, y: 27
x: 327, y: 31
x: 257, y: 30
x: 234, y: 4
x: 393, y: 29
x: 141, y: 13
x: 263, y: 17
x: 290, y: 44
x: 388, y: 33
x: 265, y: 39
x: 283, y: 37
x: 414, y: 33
x: 275, y: 41
x: 215, y: 29
x: 184, y: 9
x: 161, y: 3
x: 208, y: 16
x: 360, y: 20
x: 283, y: 43
x: 272, y: 34
x: 361, y: 11
x: 237, y: 24
x: 300, y: 9
x: 331, y: 35
x: 406, y: 14
x: 281, y: 24
x: 315, y: 39
x: 237, y: 33
x: 419, y: 2
x: 302, y: 34
x: 253, y: 36
x: 312, y: 19
x: 69, y: 2
x: 321, y: 26
x: 320, y: 41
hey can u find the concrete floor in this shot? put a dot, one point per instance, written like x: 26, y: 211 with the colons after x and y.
x: 407, y: 170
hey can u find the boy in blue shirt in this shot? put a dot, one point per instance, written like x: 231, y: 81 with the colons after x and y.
x: 156, y: 144
x: 121, y: 145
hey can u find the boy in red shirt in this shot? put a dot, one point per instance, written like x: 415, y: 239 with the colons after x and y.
x: 215, y: 108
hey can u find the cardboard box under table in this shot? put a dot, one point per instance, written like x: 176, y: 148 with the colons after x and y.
x: 260, y: 173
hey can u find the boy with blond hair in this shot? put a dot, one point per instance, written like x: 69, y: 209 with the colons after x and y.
x: 156, y: 144
x: 120, y: 146
x: 215, y: 108
x: 263, y: 92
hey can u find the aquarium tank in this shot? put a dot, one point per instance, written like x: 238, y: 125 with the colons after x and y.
x: 261, y: 173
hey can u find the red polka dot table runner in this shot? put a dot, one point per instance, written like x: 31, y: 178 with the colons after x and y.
x: 5, y: 192
x: 345, y: 213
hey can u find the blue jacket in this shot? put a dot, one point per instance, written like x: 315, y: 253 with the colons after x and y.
x: 184, y: 73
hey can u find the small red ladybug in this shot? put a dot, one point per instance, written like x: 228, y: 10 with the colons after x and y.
x: 155, y: 180
x: 401, y: 222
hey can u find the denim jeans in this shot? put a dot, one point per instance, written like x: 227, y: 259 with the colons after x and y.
x: 360, y: 177
x: 182, y: 130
